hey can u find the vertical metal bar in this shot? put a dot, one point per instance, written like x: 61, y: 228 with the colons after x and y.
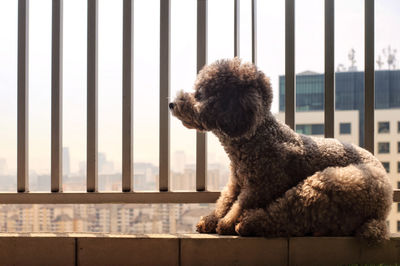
x: 127, y: 97
x: 290, y: 78
x: 56, y: 95
x: 369, y: 102
x: 91, y: 152
x: 201, y: 140
x: 165, y: 9
x: 236, y: 28
x: 329, y: 68
x: 23, y: 95
x: 254, y: 31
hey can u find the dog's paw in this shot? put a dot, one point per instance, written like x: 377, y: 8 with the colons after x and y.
x: 207, y: 224
x: 225, y: 228
x: 250, y: 226
x: 245, y: 229
x: 241, y: 230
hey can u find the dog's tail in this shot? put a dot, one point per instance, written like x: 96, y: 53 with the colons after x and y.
x: 373, y: 231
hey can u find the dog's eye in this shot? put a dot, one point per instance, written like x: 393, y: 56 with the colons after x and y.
x: 198, y: 95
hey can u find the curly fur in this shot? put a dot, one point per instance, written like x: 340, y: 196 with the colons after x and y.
x: 282, y: 183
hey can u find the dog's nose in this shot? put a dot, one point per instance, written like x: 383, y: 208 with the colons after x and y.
x: 171, y: 106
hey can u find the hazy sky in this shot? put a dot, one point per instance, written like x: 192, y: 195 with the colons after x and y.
x: 309, y: 56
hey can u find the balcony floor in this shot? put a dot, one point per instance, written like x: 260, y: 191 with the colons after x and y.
x: 189, y: 249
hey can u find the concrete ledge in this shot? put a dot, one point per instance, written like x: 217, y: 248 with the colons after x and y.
x: 28, y: 250
x: 220, y: 250
x: 128, y: 251
x: 190, y: 249
x: 341, y: 250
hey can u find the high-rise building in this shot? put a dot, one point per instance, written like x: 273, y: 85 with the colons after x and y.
x: 105, y: 166
x: 349, y: 92
x: 349, y: 116
x: 66, y: 162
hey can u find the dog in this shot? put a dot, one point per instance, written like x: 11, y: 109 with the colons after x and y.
x: 282, y: 183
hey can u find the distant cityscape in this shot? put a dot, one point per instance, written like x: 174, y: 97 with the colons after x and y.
x: 182, y: 176
x: 110, y: 218
x: 102, y: 218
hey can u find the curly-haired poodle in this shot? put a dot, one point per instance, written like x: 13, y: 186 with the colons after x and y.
x: 281, y: 183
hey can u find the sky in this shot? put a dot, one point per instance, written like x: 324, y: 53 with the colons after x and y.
x: 349, y: 33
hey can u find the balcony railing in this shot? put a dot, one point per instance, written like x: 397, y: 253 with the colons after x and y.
x: 186, y: 249
x: 165, y: 195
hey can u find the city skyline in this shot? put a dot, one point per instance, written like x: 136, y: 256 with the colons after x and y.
x: 145, y: 176
x: 105, y: 166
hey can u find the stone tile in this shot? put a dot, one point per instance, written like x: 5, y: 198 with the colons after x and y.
x: 128, y: 251
x: 37, y: 251
x: 340, y: 251
x: 214, y: 250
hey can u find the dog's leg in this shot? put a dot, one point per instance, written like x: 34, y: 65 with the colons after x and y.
x: 228, y: 196
x: 208, y: 224
x: 226, y: 225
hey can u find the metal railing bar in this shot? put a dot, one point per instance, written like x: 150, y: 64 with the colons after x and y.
x: 329, y: 109
x: 254, y: 31
x: 165, y: 31
x: 290, y: 77
x: 23, y: 96
x: 127, y: 96
x: 369, y: 78
x: 236, y: 29
x: 201, y: 138
x: 56, y: 95
x: 108, y: 197
x: 92, y: 95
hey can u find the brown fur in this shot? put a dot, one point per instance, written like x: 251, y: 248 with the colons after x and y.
x: 282, y: 183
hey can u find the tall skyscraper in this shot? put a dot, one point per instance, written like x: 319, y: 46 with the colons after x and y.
x: 66, y: 162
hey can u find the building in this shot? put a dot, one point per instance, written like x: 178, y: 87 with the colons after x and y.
x: 66, y: 165
x: 349, y: 92
x: 349, y: 116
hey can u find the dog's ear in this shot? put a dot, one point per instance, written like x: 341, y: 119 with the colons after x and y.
x: 238, y: 113
x: 233, y: 111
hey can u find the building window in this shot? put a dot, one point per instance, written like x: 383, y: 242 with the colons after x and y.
x: 398, y: 185
x: 345, y: 128
x: 398, y: 126
x: 398, y: 207
x: 310, y: 129
x: 398, y: 226
x: 398, y: 167
x: 398, y: 147
x: 386, y: 165
x: 383, y: 147
x: 317, y: 129
x: 383, y: 127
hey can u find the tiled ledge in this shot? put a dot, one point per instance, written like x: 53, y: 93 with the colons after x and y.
x: 189, y: 249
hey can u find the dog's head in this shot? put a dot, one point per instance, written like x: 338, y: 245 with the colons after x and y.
x: 230, y: 97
